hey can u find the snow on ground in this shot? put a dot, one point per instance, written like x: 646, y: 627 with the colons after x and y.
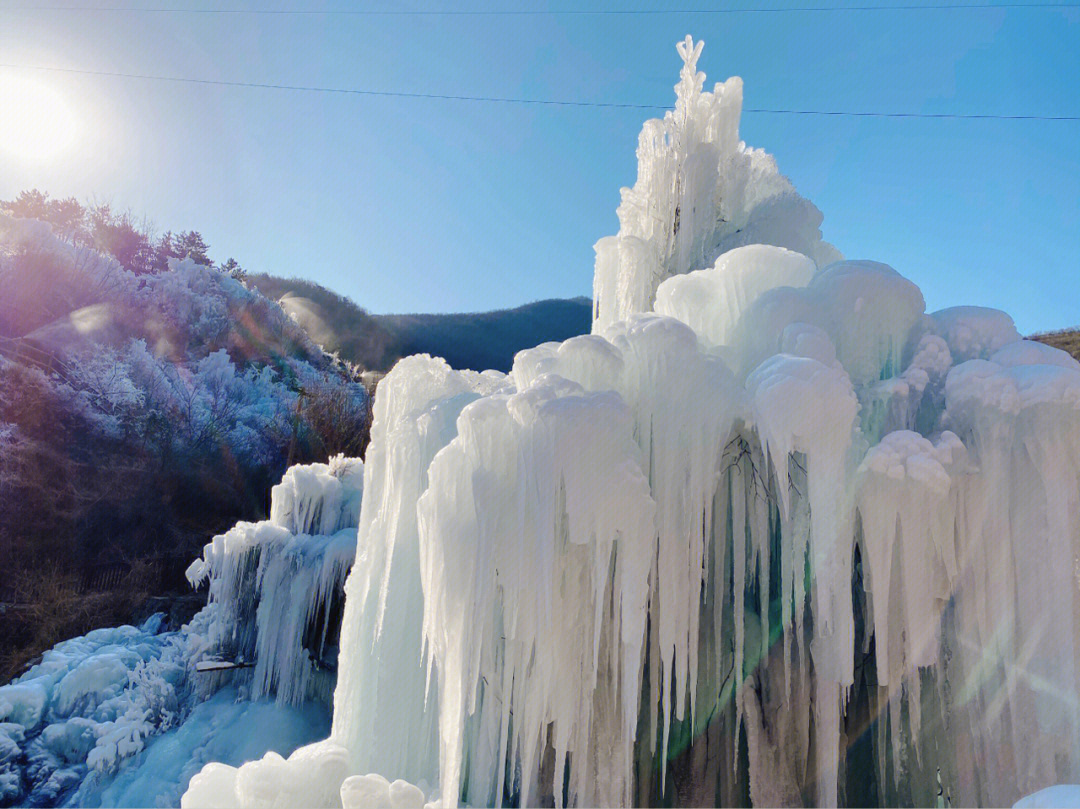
x: 1062, y: 796
x: 226, y: 728
x: 88, y: 706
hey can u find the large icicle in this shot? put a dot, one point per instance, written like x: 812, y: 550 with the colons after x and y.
x: 557, y: 469
x: 383, y: 712
x: 1019, y: 413
x: 803, y: 406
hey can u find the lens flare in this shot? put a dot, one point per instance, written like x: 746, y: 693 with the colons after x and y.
x: 36, y: 122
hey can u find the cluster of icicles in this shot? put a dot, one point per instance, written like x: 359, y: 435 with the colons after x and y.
x: 770, y: 533
x: 272, y: 584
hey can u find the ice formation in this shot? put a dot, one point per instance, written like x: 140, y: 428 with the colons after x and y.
x: 274, y: 584
x: 699, y: 193
x: 770, y: 534
x: 127, y: 715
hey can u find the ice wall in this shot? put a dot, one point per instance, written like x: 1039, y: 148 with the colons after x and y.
x: 771, y: 531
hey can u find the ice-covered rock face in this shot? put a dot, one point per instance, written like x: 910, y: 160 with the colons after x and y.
x: 767, y: 499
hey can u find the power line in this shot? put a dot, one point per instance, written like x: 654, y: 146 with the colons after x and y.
x: 533, y: 101
x: 550, y: 12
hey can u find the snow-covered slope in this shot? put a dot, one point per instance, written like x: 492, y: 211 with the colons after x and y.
x: 771, y: 530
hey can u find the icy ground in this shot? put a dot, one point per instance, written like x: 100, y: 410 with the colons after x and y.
x: 123, y: 717
x: 1063, y: 796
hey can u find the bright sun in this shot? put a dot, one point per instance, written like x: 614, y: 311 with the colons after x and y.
x: 36, y: 122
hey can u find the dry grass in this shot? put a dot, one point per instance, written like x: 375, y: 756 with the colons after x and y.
x: 1066, y: 340
x: 52, y: 605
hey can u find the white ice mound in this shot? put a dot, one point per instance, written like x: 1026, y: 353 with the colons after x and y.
x: 374, y: 791
x: 866, y: 309
x: 311, y: 776
x: 316, y: 775
x: 712, y: 301
x: 974, y: 332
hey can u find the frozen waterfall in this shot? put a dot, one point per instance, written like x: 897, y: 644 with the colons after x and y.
x: 771, y: 533
x: 275, y: 585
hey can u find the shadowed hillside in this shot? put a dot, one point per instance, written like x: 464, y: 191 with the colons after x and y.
x: 489, y: 339
x: 479, y: 341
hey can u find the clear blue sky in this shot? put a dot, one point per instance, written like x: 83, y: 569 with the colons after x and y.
x: 438, y: 205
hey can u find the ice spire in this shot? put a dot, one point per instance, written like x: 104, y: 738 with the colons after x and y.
x: 699, y: 192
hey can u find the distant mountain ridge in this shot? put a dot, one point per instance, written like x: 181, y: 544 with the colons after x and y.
x: 484, y: 340
x: 475, y: 340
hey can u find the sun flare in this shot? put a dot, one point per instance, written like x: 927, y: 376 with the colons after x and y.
x: 36, y: 122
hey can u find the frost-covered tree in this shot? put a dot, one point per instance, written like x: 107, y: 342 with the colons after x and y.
x: 118, y: 236
x: 232, y: 268
x: 31, y: 204
x: 190, y: 244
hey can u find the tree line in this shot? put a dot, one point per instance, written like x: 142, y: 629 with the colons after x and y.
x: 133, y: 244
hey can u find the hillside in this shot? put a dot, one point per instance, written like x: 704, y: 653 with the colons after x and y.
x: 477, y: 341
x: 1066, y: 339
x: 331, y: 320
x: 140, y: 414
x: 485, y: 340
